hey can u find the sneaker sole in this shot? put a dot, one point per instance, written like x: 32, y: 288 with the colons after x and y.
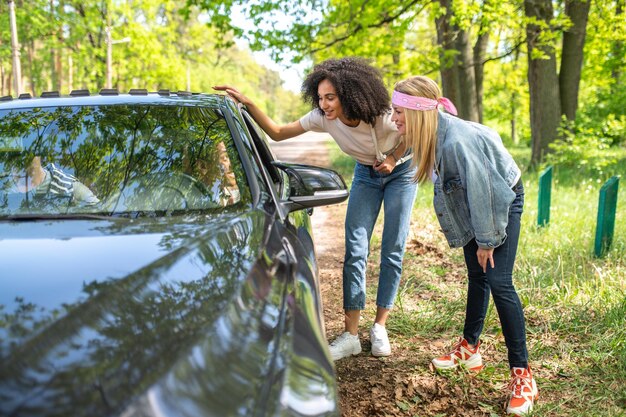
x: 529, y: 411
x: 475, y: 369
x: 520, y: 413
x: 354, y: 353
x: 444, y: 367
x: 379, y: 354
x: 474, y: 366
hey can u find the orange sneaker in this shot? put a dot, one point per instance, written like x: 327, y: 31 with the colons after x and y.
x: 461, y: 354
x: 523, y: 392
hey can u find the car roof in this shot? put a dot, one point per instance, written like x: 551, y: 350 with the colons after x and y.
x: 112, y: 97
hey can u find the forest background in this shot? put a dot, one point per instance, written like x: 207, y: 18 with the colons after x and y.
x: 547, y: 75
x: 537, y: 70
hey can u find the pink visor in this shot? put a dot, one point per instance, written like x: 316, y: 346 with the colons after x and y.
x: 421, y: 103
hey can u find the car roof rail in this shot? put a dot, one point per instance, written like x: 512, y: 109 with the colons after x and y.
x: 138, y: 92
x: 184, y: 93
x: 79, y: 93
x: 24, y: 96
x: 109, y: 92
x: 50, y: 94
x: 6, y: 98
x: 163, y: 92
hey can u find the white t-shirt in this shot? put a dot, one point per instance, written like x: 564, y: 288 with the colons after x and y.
x: 355, y: 141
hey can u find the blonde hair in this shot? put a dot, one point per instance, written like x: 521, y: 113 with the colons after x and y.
x: 421, y: 126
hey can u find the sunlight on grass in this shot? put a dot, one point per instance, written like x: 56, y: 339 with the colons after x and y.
x: 574, y: 303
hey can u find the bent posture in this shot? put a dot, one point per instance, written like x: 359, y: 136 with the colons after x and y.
x: 478, y: 199
x: 351, y: 103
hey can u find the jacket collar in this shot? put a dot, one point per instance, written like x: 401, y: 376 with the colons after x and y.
x: 442, y: 129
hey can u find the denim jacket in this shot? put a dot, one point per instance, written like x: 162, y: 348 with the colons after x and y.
x: 473, y: 189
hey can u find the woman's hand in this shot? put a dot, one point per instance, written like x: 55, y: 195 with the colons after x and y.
x: 386, y: 166
x: 275, y: 131
x: 234, y: 93
x: 484, y: 256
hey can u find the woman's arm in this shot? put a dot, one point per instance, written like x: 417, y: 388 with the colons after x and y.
x: 274, y: 130
x: 397, y: 153
x: 488, y: 195
x: 391, y: 160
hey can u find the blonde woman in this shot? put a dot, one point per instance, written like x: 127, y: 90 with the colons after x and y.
x: 478, y: 199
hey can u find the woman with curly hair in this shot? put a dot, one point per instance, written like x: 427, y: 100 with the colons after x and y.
x: 351, y: 103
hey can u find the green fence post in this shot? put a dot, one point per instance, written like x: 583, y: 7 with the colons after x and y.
x: 545, y: 191
x: 607, y: 206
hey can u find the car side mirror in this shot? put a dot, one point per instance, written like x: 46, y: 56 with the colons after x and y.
x: 311, y: 186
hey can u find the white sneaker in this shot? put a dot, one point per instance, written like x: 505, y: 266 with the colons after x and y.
x: 345, y: 345
x: 380, y: 341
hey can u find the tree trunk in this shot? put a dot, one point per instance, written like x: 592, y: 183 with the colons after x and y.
x: 480, y: 49
x: 467, y: 78
x: 545, y: 104
x: 70, y: 73
x: 447, y: 55
x: 15, y: 50
x: 514, y: 138
x: 56, y: 55
x: 53, y: 69
x: 2, y: 94
x: 31, y: 66
x: 457, y: 69
x: 618, y: 51
x: 514, y: 103
x: 572, y: 56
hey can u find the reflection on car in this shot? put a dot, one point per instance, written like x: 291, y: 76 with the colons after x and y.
x: 157, y: 261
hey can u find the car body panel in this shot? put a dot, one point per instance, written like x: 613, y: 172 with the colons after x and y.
x: 188, y: 314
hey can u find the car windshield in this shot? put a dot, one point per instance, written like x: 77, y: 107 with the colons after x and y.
x: 117, y: 160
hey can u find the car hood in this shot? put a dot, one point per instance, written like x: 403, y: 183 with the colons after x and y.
x: 94, y: 313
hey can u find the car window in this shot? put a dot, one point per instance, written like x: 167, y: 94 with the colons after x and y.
x: 118, y: 159
x: 265, y: 152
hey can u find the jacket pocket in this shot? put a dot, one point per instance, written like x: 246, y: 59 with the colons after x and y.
x: 457, y: 201
x: 452, y: 185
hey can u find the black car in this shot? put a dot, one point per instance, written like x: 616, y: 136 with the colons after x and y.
x: 155, y: 260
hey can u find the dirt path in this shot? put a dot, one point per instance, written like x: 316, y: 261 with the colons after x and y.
x: 355, y: 389
x: 311, y: 148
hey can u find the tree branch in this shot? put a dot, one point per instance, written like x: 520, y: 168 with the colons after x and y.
x: 382, y: 22
x: 509, y: 52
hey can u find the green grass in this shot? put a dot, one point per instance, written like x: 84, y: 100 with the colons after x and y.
x: 574, y: 303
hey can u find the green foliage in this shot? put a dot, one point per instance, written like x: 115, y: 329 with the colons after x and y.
x: 170, y: 39
x: 605, y: 116
x: 579, y: 148
x: 401, y: 38
x: 166, y: 47
x: 590, y: 145
x: 574, y: 303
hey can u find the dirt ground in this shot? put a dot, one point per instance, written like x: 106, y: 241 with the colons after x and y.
x: 402, y: 384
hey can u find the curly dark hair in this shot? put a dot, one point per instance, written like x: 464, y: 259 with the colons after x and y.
x: 359, y: 87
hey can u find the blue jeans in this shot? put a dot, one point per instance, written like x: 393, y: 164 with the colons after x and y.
x: 369, y: 190
x: 498, y: 281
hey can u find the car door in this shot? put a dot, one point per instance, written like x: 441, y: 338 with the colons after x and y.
x: 308, y: 377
